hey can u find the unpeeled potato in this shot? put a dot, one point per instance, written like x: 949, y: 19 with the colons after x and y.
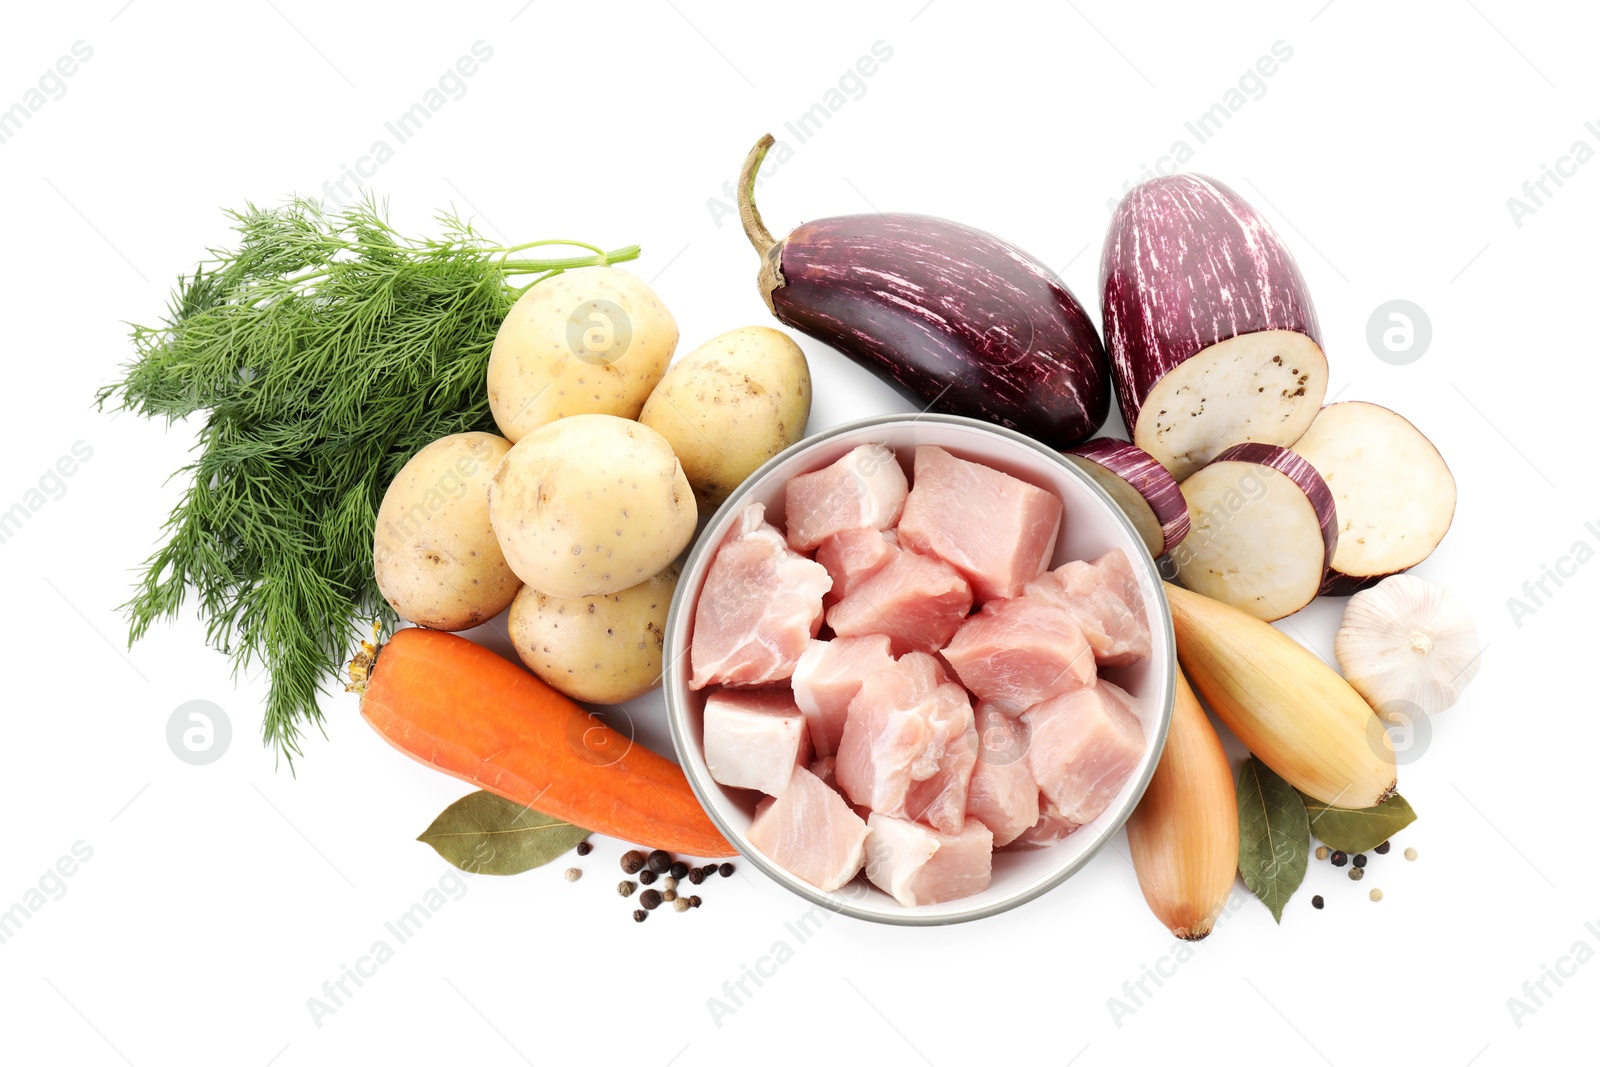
x: 434, y: 553
x: 590, y: 341
x: 590, y: 504
x: 731, y: 405
x: 599, y: 649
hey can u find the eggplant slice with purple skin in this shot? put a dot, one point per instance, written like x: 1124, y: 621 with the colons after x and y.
x: 1263, y: 531
x: 1393, y: 493
x: 956, y: 319
x: 1145, y: 490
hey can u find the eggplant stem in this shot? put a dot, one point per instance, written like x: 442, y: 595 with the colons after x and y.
x: 749, y: 216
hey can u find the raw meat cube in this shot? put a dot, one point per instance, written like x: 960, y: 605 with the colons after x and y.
x: 760, y: 606
x: 1002, y: 794
x: 754, y: 738
x: 998, y: 531
x: 1082, y: 747
x: 1104, y: 600
x: 1051, y: 827
x: 909, y: 745
x: 823, y: 769
x: 853, y: 556
x: 1018, y: 652
x: 811, y: 832
x: 916, y: 865
x: 826, y: 679
x: 919, y: 601
x: 862, y: 490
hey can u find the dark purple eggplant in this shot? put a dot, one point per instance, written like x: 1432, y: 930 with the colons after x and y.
x: 1213, y: 339
x: 956, y: 319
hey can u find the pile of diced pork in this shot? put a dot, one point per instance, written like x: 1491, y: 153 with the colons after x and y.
x: 956, y: 706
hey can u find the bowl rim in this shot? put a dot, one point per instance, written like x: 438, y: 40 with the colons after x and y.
x: 705, y: 790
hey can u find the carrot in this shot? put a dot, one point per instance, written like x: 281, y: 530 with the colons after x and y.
x: 456, y: 706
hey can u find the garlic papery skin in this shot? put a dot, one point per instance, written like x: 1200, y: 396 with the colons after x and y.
x: 1407, y: 645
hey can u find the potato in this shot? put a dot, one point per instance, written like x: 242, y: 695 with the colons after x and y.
x: 591, y: 341
x: 731, y: 405
x: 601, y: 649
x: 434, y: 553
x: 590, y: 504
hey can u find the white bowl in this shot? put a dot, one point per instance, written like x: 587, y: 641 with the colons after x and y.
x: 1092, y: 525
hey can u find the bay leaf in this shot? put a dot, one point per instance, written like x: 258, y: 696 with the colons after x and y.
x: 487, y: 834
x: 1358, y: 829
x: 1274, y: 836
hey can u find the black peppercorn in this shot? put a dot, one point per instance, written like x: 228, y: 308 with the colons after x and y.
x: 640, y: 915
x: 650, y: 899
x: 1383, y: 849
x: 726, y: 870
x: 1338, y: 859
x: 679, y: 869
x: 647, y: 876
x: 632, y: 861
x: 659, y: 861
x: 696, y: 875
x: 584, y: 848
x: 694, y: 902
x: 1358, y: 860
x: 1316, y: 902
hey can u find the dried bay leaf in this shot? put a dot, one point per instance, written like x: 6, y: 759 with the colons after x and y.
x: 1274, y: 835
x: 487, y: 834
x: 1359, y: 829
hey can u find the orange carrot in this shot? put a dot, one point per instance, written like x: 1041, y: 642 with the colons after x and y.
x: 457, y: 706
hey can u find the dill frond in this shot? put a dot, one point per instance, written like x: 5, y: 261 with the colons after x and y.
x: 324, y: 349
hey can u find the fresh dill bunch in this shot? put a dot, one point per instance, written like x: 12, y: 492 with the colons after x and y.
x: 324, y: 350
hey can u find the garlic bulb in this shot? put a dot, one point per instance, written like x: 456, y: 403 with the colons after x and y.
x: 1407, y: 644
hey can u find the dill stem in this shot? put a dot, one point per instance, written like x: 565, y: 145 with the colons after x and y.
x: 541, y: 266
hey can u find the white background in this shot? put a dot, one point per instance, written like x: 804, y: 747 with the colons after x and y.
x: 219, y: 898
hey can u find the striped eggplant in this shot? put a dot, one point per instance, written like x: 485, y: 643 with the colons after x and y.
x: 1145, y: 490
x: 1213, y: 339
x: 1263, y: 530
x: 955, y: 318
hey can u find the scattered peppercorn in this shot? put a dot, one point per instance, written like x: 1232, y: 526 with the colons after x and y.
x: 669, y: 896
x: 679, y: 869
x: 1358, y: 860
x: 1382, y: 850
x: 1356, y: 874
x: 696, y: 876
x: 694, y: 902
x: 632, y: 861
x: 1411, y: 853
x: 650, y: 899
x: 1316, y: 902
x: 640, y: 915
x: 680, y: 905
x: 1375, y: 896
x: 573, y: 874
x: 1322, y: 852
x: 659, y: 861
x: 646, y: 876
x: 1339, y: 859
x: 584, y: 848
x: 668, y: 883
x: 625, y: 888
x: 709, y: 869
x: 726, y: 870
